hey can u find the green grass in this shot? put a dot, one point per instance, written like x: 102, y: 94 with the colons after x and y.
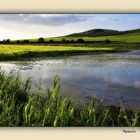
x: 128, y: 38
x: 20, y: 52
x: 11, y: 52
x: 11, y: 49
x: 21, y: 106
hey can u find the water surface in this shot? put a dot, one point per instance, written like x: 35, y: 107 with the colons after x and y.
x: 111, y: 77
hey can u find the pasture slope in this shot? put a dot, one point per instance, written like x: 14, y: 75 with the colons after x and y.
x: 130, y: 36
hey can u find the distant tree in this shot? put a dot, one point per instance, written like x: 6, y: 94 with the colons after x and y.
x: 51, y: 41
x: 80, y: 40
x: 25, y: 41
x: 107, y: 41
x: 18, y: 41
x: 67, y: 41
x: 72, y: 41
x: 3, y: 41
x: 63, y: 40
x: 41, y: 40
x: 6, y: 41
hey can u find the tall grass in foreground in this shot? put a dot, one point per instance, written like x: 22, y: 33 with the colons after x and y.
x: 20, y: 106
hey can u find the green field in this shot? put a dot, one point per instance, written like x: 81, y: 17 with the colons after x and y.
x: 19, y: 52
x: 133, y: 37
x: 11, y: 49
x: 129, y: 38
x: 11, y: 52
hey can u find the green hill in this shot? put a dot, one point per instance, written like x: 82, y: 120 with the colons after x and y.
x: 103, y: 32
x: 129, y: 36
x: 112, y: 35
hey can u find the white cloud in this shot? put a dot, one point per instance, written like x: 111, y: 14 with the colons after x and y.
x: 20, y: 30
x: 16, y: 26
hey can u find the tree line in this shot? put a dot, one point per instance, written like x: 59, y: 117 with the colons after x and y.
x: 42, y: 40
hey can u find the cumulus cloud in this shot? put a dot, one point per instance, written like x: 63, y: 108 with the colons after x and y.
x: 46, y: 19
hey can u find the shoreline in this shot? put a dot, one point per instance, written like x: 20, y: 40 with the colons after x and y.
x: 31, y: 55
x: 27, y: 108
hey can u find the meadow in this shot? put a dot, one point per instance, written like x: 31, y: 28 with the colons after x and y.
x: 11, y: 49
x: 10, y: 52
x: 127, y: 38
x: 27, y: 51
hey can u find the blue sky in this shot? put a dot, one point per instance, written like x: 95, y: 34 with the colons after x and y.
x: 21, y: 26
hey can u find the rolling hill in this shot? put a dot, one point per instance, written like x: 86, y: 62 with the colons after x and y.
x: 129, y: 36
x: 103, y: 32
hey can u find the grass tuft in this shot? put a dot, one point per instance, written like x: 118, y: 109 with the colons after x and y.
x: 20, y: 106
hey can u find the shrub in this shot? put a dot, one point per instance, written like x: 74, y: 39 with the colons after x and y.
x: 51, y: 41
x: 80, y: 40
x: 107, y: 41
x: 25, y: 41
x: 41, y: 40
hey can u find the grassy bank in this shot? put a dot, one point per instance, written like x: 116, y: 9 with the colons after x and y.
x: 19, y: 52
x: 21, y: 106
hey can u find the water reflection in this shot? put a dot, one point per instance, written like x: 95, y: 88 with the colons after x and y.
x: 109, y: 76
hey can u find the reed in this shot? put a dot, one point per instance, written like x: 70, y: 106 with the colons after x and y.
x: 21, y: 106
